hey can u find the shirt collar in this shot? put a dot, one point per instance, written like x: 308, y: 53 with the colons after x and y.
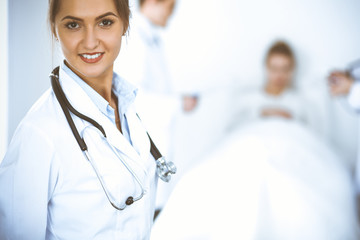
x: 124, y: 91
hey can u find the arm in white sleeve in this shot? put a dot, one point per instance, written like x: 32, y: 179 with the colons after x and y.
x: 354, y: 96
x: 26, y: 184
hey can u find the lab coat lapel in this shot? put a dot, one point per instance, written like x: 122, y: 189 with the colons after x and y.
x: 138, y: 134
x: 116, y: 139
x: 82, y: 103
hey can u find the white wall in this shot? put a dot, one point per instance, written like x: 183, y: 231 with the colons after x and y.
x: 30, y: 57
x: 214, y: 46
x: 3, y: 77
x: 231, y: 36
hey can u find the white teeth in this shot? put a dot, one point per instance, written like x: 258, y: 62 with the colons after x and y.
x: 87, y: 56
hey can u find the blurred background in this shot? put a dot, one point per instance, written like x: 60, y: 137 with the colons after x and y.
x: 219, y: 50
x: 214, y: 49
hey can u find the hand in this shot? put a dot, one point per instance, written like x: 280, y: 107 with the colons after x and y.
x: 273, y: 112
x: 340, y: 83
x: 189, y: 103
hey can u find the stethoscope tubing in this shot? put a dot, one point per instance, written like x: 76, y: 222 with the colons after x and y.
x: 67, y: 108
x: 164, y: 169
x: 103, y: 185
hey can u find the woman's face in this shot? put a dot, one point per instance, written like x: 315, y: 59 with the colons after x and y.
x: 89, y: 32
x: 279, y: 70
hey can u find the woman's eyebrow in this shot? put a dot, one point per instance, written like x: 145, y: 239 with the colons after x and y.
x: 71, y: 17
x: 106, y: 14
x: 97, y: 18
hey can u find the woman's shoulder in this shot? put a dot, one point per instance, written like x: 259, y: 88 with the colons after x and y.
x: 43, y: 110
x: 42, y: 118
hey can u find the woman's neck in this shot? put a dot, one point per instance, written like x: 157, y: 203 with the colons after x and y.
x: 274, y: 90
x: 102, y: 84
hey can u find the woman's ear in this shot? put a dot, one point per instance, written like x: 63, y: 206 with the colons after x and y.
x: 53, y: 30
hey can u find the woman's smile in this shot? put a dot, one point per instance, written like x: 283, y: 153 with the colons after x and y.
x: 91, y: 57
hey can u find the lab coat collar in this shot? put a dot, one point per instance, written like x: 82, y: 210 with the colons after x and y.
x: 82, y: 103
x: 125, y: 91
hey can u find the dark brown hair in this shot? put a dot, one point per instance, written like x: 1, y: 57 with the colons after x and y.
x: 122, y: 7
x: 281, y: 48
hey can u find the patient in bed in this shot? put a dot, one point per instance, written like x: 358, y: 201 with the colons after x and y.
x: 269, y: 179
x: 278, y: 97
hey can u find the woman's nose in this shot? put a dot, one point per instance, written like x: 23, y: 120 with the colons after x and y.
x: 91, y: 40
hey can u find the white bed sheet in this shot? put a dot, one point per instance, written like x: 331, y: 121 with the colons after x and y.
x: 270, y: 180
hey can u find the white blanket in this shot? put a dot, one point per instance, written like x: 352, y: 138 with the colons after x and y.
x: 270, y: 180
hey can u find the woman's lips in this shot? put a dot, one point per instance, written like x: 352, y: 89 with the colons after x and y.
x: 91, y: 57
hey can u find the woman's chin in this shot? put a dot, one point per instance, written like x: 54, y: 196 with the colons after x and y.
x: 92, y: 72
x: 280, y: 85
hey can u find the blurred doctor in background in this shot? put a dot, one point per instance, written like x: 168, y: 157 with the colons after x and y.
x: 143, y: 62
x: 347, y: 83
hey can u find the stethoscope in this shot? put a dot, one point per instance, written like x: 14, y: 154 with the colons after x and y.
x: 164, y: 169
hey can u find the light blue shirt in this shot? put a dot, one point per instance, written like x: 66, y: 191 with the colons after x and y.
x: 124, y: 91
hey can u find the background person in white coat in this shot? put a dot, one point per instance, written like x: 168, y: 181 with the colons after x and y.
x: 49, y: 188
x: 347, y: 83
x: 143, y: 62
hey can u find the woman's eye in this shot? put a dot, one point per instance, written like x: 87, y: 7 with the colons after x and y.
x: 105, y: 23
x: 72, y: 25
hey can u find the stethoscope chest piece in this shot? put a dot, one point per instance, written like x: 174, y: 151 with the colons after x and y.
x: 165, y: 169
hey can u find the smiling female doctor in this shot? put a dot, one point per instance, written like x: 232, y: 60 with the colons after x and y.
x: 49, y: 187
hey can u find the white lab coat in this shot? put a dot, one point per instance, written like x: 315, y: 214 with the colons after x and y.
x: 142, y: 62
x: 48, y: 188
x: 354, y: 101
